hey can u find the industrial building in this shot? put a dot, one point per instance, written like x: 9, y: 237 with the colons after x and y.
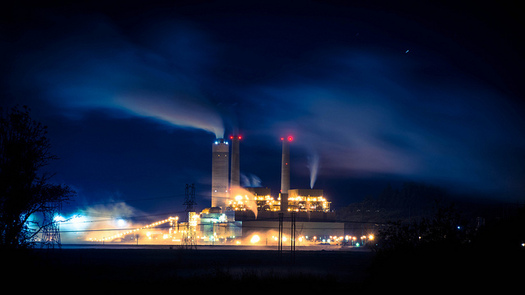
x: 250, y: 215
x: 250, y: 210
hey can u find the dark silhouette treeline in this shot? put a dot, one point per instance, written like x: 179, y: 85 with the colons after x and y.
x: 429, y: 239
x: 436, y: 253
x: 25, y: 189
x: 413, y: 200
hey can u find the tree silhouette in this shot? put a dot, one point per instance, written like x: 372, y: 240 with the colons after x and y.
x: 24, y: 190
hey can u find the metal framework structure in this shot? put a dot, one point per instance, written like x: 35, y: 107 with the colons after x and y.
x: 189, y: 238
x: 50, y: 229
x: 189, y: 200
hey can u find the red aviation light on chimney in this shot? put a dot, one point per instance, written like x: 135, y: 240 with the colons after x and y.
x: 240, y: 137
x: 290, y: 138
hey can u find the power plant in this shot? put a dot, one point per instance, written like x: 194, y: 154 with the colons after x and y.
x: 251, y: 215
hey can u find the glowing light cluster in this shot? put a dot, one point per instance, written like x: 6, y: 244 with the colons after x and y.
x: 267, y: 203
x: 296, y: 203
x: 239, y: 203
x: 255, y: 239
x: 309, y: 199
x: 308, y: 203
x: 193, y: 218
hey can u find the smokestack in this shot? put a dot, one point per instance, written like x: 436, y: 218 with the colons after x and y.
x: 235, y: 164
x: 285, y: 173
x: 219, y: 173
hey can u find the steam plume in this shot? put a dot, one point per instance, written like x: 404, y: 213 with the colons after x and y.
x: 313, y: 165
x: 192, y: 113
x: 97, y: 221
x: 158, y: 81
x: 250, y: 180
x: 245, y: 197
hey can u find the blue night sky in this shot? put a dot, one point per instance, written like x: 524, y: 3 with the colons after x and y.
x: 373, y: 93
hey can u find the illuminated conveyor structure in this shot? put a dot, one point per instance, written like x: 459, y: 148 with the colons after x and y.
x: 209, y: 226
x: 131, y: 234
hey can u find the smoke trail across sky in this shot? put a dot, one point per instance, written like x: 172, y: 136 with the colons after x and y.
x: 181, y: 112
x: 145, y: 78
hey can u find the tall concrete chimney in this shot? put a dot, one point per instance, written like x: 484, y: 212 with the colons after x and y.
x: 219, y: 173
x: 235, y: 179
x: 285, y: 173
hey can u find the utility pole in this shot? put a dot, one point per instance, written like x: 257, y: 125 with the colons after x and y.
x: 292, y: 236
x: 280, y: 245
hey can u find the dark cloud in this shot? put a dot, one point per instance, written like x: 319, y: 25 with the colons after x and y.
x: 94, y: 65
x: 134, y: 96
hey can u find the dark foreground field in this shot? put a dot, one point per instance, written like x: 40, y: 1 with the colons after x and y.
x: 131, y: 269
x: 136, y: 269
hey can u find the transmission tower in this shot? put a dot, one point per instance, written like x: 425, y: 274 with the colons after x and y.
x: 189, y: 237
x: 51, y: 230
x: 189, y: 200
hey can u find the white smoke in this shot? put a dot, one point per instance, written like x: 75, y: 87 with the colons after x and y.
x: 313, y: 166
x: 250, y: 180
x: 245, y: 197
x: 188, y: 112
x: 97, y: 221
x: 106, y: 70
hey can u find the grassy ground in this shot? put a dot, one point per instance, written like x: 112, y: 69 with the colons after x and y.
x: 139, y: 269
x: 123, y: 270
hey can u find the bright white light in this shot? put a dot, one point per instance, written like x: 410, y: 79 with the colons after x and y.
x: 255, y: 239
x: 59, y: 218
x: 121, y: 222
x: 76, y: 222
